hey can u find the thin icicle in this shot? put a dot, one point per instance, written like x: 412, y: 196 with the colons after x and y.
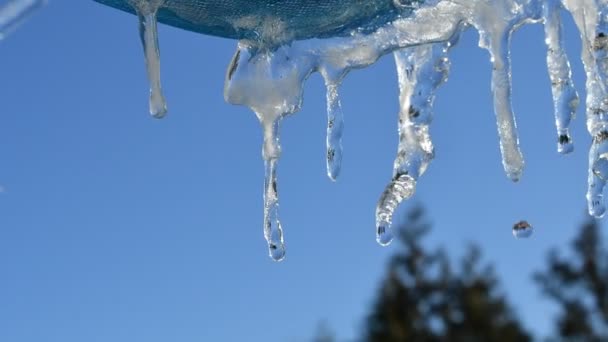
x: 512, y: 159
x: 258, y: 79
x: 273, y: 232
x: 148, y: 32
x: 335, y: 127
x: 565, y: 97
x: 13, y: 13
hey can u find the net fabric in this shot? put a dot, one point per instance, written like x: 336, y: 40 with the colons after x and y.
x: 258, y: 19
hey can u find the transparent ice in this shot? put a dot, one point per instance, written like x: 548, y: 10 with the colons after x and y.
x: 281, y: 43
x: 14, y: 12
x: 522, y: 229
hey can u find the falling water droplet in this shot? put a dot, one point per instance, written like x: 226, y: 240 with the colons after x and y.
x: 148, y: 33
x: 565, y: 97
x: 402, y: 187
x: 522, y: 229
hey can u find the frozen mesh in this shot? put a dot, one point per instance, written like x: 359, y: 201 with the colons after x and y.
x: 297, y: 19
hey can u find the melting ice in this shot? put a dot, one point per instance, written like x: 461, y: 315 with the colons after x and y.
x: 270, y: 66
x: 14, y: 12
x: 146, y: 12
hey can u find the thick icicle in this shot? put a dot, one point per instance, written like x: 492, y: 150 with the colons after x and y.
x: 421, y: 70
x: 589, y: 16
x: 13, y: 13
x: 269, y: 83
x: 148, y: 32
x: 335, y: 127
x: 400, y: 188
x: 565, y: 97
x: 499, y: 47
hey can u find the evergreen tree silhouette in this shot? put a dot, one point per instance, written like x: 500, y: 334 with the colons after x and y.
x: 422, y: 297
x: 579, y: 285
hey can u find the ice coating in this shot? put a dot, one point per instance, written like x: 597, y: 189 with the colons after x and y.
x: 400, y: 188
x: 146, y: 11
x: 276, y: 55
x: 272, y: 225
x: 269, y: 80
x: 14, y: 12
x: 590, y: 18
x: 420, y: 71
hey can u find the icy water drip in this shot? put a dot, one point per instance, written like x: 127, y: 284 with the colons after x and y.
x: 272, y: 225
x: 269, y: 80
x: 400, y: 188
x: 15, y: 12
x: 565, y: 97
x: 590, y: 17
x: 335, y: 126
x: 281, y: 43
x: 522, y: 229
x: 146, y: 11
x: 420, y: 70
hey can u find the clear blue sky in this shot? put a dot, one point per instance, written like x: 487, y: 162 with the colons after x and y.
x: 118, y: 227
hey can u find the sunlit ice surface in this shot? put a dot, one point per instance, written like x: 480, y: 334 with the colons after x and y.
x: 14, y: 12
x: 281, y: 43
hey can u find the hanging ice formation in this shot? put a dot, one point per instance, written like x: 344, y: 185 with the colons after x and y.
x: 282, y: 43
x: 14, y: 12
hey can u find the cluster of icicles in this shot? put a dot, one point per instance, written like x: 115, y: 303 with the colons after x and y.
x: 268, y: 78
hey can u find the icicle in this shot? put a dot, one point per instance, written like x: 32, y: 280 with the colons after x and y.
x: 598, y: 175
x: 272, y: 225
x: 499, y: 48
x: 402, y: 187
x: 590, y: 19
x: 421, y: 70
x: 565, y: 97
x: 270, y: 84
x: 335, y: 127
x: 268, y: 78
x: 13, y: 13
x: 146, y: 11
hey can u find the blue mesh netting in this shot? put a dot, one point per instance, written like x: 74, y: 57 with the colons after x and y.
x: 302, y: 18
